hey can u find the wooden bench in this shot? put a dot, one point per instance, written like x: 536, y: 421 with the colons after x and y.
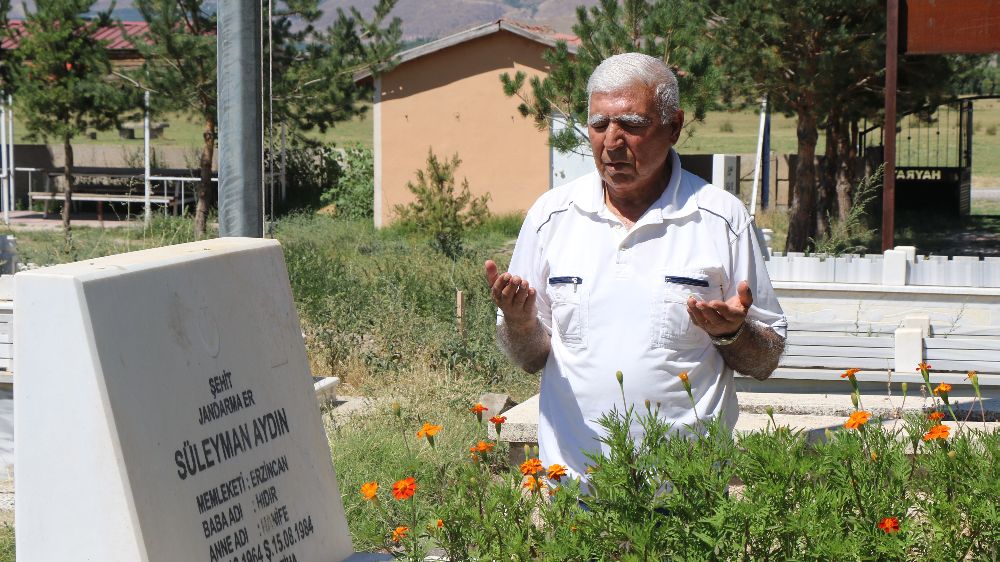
x: 128, y: 130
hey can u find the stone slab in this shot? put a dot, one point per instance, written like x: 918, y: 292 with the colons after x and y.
x: 496, y: 403
x: 521, y: 425
x: 164, y: 411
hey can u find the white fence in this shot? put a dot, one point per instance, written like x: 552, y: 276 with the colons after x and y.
x: 900, y: 266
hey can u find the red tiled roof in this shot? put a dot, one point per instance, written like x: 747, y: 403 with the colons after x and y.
x: 544, y: 31
x: 113, y: 35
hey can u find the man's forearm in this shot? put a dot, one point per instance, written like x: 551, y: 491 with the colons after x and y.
x: 528, y: 346
x: 756, y: 352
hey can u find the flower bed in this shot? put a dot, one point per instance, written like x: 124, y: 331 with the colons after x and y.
x: 922, y: 492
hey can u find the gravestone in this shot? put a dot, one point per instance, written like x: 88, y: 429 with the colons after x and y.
x: 164, y: 411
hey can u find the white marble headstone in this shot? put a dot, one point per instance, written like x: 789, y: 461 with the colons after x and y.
x: 164, y: 412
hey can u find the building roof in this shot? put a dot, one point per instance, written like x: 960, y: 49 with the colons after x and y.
x: 118, y: 37
x: 538, y: 33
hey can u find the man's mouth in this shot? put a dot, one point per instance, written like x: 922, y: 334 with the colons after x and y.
x: 617, y: 165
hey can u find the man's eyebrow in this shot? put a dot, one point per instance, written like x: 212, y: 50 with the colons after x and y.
x: 596, y: 119
x: 627, y: 119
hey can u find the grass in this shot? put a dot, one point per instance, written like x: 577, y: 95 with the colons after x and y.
x: 185, y: 131
x: 7, y: 543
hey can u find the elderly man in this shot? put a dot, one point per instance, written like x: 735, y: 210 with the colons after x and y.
x: 639, y: 267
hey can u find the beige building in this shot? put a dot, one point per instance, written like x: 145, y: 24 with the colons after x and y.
x: 446, y: 96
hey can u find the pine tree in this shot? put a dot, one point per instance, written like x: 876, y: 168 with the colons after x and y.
x: 63, y: 79
x: 671, y: 30
x: 180, y: 70
x: 313, y: 72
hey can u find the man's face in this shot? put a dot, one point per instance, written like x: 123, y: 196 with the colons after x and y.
x: 629, y: 141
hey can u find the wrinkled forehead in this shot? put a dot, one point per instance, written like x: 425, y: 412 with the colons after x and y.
x: 633, y: 100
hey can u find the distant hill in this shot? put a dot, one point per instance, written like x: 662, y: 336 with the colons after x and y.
x: 433, y: 19
x: 422, y: 19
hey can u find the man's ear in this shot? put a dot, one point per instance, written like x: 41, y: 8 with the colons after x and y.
x: 676, y: 126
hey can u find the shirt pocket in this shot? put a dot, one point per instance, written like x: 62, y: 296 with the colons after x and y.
x: 569, y: 310
x: 672, y: 325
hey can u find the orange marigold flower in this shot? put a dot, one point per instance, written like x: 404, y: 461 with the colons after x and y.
x: 428, y: 430
x: 857, y: 420
x: 404, y: 489
x: 937, y: 432
x: 923, y: 367
x: 889, y: 525
x: 850, y: 373
x: 478, y: 409
x: 498, y: 419
x: 971, y: 376
x: 684, y: 377
x: 943, y: 388
x: 532, y: 483
x: 399, y: 533
x: 556, y: 472
x: 369, y: 490
x: 482, y: 447
x: 531, y: 467
x: 935, y: 416
x: 440, y: 523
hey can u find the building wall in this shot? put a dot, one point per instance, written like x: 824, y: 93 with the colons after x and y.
x: 451, y: 101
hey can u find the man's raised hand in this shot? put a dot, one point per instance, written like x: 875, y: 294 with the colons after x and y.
x: 720, y: 318
x: 512, y: 295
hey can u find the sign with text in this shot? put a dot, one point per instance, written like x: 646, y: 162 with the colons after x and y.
x: 164, y: 411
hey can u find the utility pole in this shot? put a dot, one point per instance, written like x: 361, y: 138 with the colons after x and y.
x: 240, y: 128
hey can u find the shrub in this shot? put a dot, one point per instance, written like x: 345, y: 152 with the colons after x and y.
x: 991, y: 130
x: 311, y: 171
x: 866, y: 492
x: 852, y: 233
x: 726, y: 127
x: 438, y: 210
x: 354, y: 193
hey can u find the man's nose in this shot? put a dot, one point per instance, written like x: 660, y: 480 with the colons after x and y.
x: 613, y: 139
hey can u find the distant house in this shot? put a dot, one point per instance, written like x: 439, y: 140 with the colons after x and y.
x: 119, y: 41
x: 446, y: 96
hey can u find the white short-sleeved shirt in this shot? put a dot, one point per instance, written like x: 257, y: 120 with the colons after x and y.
x: 615, y: 300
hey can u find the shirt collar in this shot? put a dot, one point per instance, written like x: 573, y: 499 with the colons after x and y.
x: 678, y: 200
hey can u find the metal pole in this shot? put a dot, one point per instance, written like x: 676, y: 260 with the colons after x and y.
x: 10, y: 159
x: 284, y: 178
x: 239, y: 83
x: 3, y: 162
x: 889, y: 150
x: 760, y: 151
x: 148, y: 210
x: 270, y: 112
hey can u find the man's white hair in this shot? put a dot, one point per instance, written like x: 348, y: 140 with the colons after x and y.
x: 622, y: 71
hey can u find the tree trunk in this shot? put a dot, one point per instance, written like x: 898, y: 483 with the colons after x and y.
x: 826, y: 205
x: 68, y: 177
x: 846, y: 156
x: 205, y: 185
x: 802, y: 222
